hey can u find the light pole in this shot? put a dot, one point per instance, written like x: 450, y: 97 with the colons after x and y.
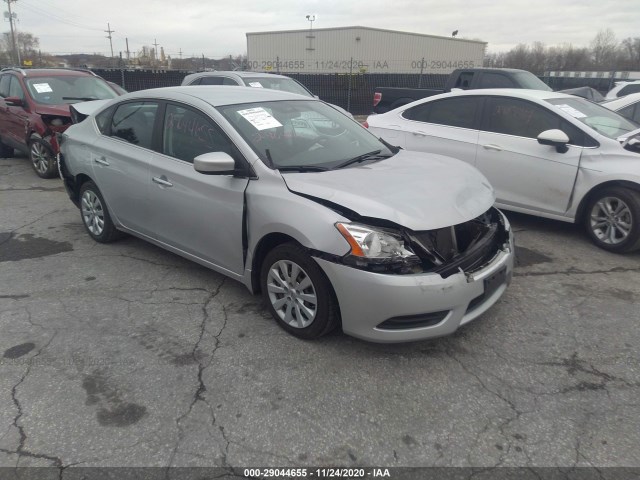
x: 311, y: 18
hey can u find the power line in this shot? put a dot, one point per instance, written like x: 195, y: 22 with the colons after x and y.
x: 40, y: 11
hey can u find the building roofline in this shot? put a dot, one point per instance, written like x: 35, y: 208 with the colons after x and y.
x: 306, y: 30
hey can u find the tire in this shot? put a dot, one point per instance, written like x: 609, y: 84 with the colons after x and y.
x: 5, y: 151
x: 612, y: 219
x: 298, y: 315
x: 42, y: 159
x: 95, y: 216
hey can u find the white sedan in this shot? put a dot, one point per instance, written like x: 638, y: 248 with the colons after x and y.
x: 548, y: 154
x: 627, y: 106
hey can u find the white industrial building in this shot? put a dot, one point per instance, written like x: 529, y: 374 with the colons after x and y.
x: 360, y: 49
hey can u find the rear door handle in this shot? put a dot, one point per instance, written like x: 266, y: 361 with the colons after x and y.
x: 419, y: 133
x: 101, y: 161
x: 491, y: 146
x: 162, y: 181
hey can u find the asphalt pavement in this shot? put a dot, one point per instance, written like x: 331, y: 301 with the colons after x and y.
x: 127, y: 355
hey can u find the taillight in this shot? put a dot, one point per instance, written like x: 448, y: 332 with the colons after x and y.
x: 377, y: 96
x: 365, y: 124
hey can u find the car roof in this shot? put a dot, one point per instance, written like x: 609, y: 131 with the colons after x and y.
x: 217, y: 95
x: 241, y: 74
x: 622, y: 102
x: 49, y: 72
x: 516, y: 92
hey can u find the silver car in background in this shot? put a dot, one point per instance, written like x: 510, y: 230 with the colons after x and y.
x: 288, y: 196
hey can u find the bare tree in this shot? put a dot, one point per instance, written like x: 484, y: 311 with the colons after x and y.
x: 631, y: 53
x: 603, y: 49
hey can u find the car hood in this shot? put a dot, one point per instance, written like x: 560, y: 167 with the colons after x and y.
x: 59, y: 110
x: 416, y: 190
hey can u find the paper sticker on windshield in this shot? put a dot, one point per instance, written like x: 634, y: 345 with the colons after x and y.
x: 255, y: 84
x: 571, y: 111
x: 42, y: 87
x: 259, y: 118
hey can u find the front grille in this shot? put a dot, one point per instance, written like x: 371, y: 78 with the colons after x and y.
x: 413, y: 321
x: 467, y: 246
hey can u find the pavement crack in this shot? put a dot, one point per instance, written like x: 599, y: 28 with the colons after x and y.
x: 576, y: 271
x: 21, y: 451
x: 198, y: 395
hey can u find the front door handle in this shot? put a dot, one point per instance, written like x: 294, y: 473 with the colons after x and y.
x: 162, y: 181
x: 101, y: 161
x: 491, y: 146
x: 419, y: 133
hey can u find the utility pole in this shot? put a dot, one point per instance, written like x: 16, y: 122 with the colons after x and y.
x: 109, y: 31
x: 155, y: 51
x: 16, y: 51
x: 128, y: 57
x: 180, y: 54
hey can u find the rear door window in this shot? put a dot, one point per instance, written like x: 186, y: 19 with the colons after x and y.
x: 453, y: 112
x: 134, y: 121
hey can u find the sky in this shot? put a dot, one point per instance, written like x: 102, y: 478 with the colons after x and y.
x: 217, y: 28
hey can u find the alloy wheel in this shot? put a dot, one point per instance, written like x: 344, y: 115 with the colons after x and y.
x: 92, y: 212
x: 611, y: 220
x: 40, y: 157
x: 292, y: 294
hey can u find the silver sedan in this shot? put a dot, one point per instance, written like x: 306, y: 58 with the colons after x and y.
x: 295, y: 200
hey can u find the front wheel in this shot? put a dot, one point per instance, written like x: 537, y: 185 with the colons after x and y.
x: 613, y: 219
x: 42, y: 159
x: 297, y: 292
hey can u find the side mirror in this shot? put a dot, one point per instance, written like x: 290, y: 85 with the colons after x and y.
x: 215, y: 163
x: 555, y: 138
x: 14, y: 101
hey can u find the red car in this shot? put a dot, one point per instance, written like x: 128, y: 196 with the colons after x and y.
x: 34, y: 106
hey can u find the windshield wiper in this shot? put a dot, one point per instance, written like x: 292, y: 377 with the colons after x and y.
x: 302, y: 168
x: 375, y: 155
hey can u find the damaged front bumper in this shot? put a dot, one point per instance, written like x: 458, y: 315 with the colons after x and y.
x: 383, y: 307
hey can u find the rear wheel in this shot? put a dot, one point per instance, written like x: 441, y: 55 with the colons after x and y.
x: 613, y: 219
x: 297, y: 292
x: 42, y: 159
x: 95, y: 216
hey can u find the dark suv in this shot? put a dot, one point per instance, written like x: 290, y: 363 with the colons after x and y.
x: 34, y: 106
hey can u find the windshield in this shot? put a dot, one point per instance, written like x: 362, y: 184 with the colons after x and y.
x: 302, y: 133
x: 276, y: 83
x: 601, y: 119
x: 68, y: 89
x: 529, y: 80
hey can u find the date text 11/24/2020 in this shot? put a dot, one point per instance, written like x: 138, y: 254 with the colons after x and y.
x: 287, y: 473
x: 358, y: 65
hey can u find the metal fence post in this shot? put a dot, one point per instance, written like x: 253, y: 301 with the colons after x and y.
x: 421, y: 70
x: 349, y: 91
x: 122, y: 72
x: 611, y: 80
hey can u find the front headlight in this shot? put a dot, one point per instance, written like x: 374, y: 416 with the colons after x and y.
x: 377, y: 249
